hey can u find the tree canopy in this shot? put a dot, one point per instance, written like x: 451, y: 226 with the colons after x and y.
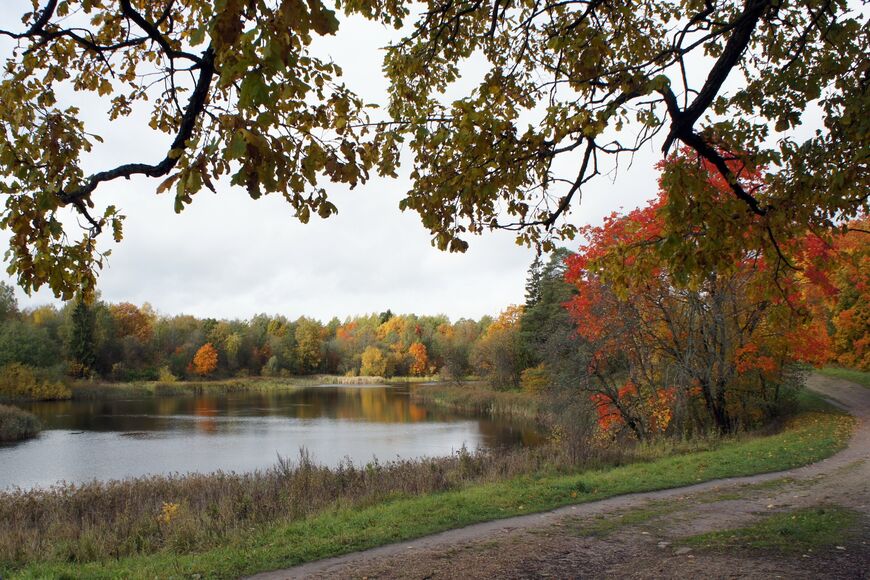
x: 719, y: 347
x: 588, y: 82
x: 232, y: 83
x: 568, y: 89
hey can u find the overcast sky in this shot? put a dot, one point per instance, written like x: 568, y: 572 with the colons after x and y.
x: 228, y: 256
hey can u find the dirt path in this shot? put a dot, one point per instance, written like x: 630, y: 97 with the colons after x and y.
x: 637, y: 535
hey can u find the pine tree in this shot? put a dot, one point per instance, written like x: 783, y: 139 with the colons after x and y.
x: 8, y: 302
x: 533, y: 283
x: 81, y: 342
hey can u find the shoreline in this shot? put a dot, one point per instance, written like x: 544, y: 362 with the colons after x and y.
x: 470, y: 487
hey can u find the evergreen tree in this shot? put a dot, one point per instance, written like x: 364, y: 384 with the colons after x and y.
x: 81, y: 342
x: 533, y: 283
x: 546, y: 316
x: 8, y: 302
x: 385, y: 316
x: 554, y: 270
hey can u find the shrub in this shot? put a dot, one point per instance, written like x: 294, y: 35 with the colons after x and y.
x: 77, y: 370
x: 19, y: 382
x: 164, y: 375
x: 142, y: 374
x: 535, y: 380
x: 17, y: 424
x: 119, y: 372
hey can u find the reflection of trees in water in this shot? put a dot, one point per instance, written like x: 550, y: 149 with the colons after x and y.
x: 505, y: 432
x: 372, y: 404
x: 168, y: 406
x: 417, y: 413
x: 375, y: 404
x: 206, y: 409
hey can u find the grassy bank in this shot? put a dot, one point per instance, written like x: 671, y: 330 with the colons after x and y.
x: 97, y: 390
x: 860, y: 377
x: 100, y: 390
x: 790, y: 531
x: 17, y: 424
x: 229, y: 525
x: 478, y: 398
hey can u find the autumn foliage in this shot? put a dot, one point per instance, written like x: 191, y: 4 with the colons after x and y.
x: 130, y: 320
x: 420, y: 359
x: 374, y: 364
x: 840, y: 295
x: 205, y: 360
x: 673, y: 332
x: 497, y: 354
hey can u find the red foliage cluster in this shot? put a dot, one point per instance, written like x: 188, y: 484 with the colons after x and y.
x: 770, y: 305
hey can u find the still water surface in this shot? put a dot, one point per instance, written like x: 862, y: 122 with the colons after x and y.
x: 117, y: 438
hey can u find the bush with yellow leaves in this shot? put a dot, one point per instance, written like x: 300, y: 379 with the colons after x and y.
x: 20, y: 382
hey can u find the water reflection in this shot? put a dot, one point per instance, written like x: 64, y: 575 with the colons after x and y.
x: 115, y: 438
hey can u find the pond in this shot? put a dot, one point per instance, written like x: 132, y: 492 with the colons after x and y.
x: 115, y: 438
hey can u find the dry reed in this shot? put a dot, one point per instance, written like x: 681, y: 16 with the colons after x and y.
x: 92, y: 521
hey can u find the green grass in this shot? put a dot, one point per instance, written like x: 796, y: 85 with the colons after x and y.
x: 744, y: 490
x: 807, y: 438
x: 792, y: 531
x: 860, y: 377
x: 808, y: 401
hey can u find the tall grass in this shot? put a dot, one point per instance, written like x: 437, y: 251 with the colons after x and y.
x: 98, y: 390
x: 99, y: 520
x: 477, y: 398
x: 17, y: 424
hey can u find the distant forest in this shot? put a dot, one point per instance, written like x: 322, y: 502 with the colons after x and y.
x: 126, y: 342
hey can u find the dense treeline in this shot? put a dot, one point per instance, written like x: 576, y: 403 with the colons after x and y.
x: 128, y: 342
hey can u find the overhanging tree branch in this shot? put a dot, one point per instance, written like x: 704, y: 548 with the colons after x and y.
x: 682, y: 122
x: 195, y: 107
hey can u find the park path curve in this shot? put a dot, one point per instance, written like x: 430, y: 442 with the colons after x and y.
x: 526, y: 546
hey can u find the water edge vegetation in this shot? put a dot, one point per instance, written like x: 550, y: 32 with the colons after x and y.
x: 223, y: 525
x: 17, y: 424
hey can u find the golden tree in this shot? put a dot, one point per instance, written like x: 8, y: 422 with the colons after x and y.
x: 205, y: 360
x: 374, y: 364
x: 420, y: 356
